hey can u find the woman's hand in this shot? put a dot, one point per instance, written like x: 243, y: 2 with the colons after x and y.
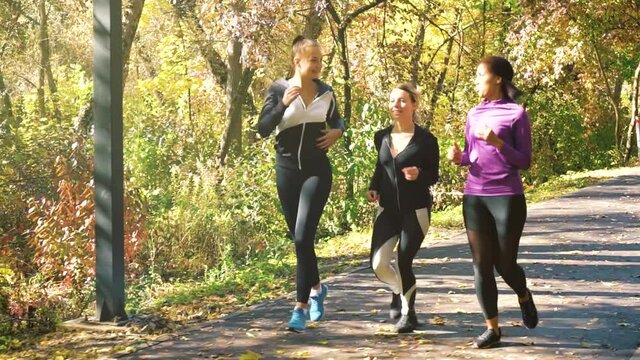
x: 291, y: 94
x: 329, y: 138
x: 373, y: 196
x: 485, y: 133
x: 454, y: 154
x: 411, y: 173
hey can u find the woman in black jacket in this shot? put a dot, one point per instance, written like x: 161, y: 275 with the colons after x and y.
x: 303, y: 112
x: 407, y: 165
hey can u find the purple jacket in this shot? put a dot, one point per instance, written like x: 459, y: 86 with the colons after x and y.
x: 494, y: 172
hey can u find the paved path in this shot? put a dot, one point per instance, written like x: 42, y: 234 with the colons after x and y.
x: 581, y: 254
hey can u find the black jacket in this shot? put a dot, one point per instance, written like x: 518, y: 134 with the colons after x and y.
x: 388, y: 179
x: 298, y: 126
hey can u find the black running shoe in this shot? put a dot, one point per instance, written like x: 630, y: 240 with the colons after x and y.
x: 529, y: 312
x: 396, y: 306
x: 407, y: 323
x: 488, y: 339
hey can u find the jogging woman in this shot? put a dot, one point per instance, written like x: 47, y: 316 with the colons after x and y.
x: 497, y: 147
x: 299, y: 109
x: 407, y: 165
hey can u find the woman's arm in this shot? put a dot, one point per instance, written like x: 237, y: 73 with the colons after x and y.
x: 519, y: 155
x: 377, y: 174
x: 333, y: 115
x: 272, y: 111
x: 429, y: 172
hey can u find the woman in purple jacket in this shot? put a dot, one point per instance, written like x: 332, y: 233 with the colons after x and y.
x: 497, y: 146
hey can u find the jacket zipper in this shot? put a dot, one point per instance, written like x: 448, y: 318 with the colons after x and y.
x: 300, y: 146
x: 304, y: 106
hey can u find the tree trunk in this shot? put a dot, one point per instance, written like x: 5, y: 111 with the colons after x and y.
x: 452, y: 101
x: 313, y: 21
x: 484, y: 28
x: 417, y: 52
x: 439, y: 85
x: 231, y: 142
x: 132, y: 13
x: 505, y: 17
x: 635, y: 116
x: 186, y: 11
x: 42, y: 33
x: 45, y: 64
x: 6, y: 111
x: 616, y: 98
x: 341, y: 39
x: 610, y: 94
x: 437, y: 91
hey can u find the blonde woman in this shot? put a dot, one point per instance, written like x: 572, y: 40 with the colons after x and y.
x: 407, y: 166
x: 303, y: 112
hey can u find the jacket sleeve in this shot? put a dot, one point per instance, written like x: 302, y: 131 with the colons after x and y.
x: 519, y: 155
x: 272, y: 111
x: 377, y: 174
x: 430, y: 169
x: 333, y: 115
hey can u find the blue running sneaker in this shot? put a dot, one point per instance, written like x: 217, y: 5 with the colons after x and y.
x: 298, y: 320
x: 316, y: 304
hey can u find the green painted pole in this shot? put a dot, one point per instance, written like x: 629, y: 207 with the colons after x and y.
x: 109, y: 177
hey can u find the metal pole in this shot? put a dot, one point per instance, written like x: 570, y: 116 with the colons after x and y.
x: 109, y: 178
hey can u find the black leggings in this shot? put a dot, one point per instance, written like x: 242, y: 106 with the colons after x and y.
x: 407, y: 231
x: 494, y: 225
x: 303, y: 195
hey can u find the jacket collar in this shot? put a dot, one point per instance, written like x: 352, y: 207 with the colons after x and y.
x: 322, y: 86
x: 418, y: 132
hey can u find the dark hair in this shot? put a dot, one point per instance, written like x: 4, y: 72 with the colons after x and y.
x: 501, y: 67
x: 414, y: 94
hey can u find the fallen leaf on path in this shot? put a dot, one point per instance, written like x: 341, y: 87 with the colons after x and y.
x: 438, y: 320
x: 385, y: 332
x: 323, y: 342
x: 250, y: 355
x: 364, y: 349
x: 300, y: 355
x: 592, y: 345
